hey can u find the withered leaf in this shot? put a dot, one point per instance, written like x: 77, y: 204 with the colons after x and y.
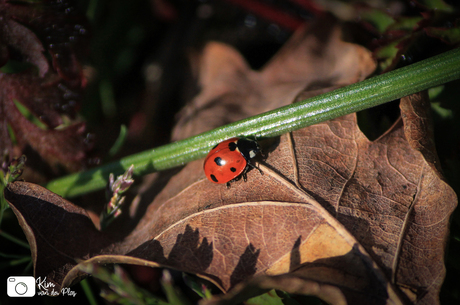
x: 315, y: 57
x: 334, y: 214
x: 46, y: 219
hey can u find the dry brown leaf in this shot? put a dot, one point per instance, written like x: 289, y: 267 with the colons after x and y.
x: 335, y: 215
x: 314, y: 57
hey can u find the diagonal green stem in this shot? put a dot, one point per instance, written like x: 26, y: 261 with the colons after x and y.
x: 369, y: 93
x: 14, y: 239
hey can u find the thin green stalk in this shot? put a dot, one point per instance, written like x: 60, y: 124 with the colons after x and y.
x: 14, y: 239
x: 366, y: 94
x: 20, y: 261
x: 88, y: 292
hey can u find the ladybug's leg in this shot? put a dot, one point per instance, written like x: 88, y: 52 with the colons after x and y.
x: 245, y: 177
x: 234, y: 180
x: 256, y: 167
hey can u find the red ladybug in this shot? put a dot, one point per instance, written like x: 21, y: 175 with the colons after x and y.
x: 229, y: 160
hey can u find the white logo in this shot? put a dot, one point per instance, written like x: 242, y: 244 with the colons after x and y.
x: 49, y: 288
x: 24, y: 286
x: 20, y: 286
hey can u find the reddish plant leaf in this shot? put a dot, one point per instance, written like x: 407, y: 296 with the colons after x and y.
x: 24, y: 40
x: 42, y: 97
x: 438, y: 5
x: 64, y: 147
x: 400, y: 42
x: 59, y: 25
x: 47, y: 95
x: 448, y: 35
x: 335, y: 215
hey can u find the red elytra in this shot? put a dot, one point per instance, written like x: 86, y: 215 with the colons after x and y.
x: 229, y: 160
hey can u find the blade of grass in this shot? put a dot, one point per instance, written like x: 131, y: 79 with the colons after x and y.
x: 3, y: 203
x: 14, y: 239
x: 20, y: 261
x: 14, y: 256
x: 119, y: 142
x: 172, y: 293
x: 88, y: 292
x: 380, y: 89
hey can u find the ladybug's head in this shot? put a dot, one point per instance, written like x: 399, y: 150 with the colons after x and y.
x: 248, y: 148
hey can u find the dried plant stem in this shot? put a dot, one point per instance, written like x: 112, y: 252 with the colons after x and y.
x: 423, y: 75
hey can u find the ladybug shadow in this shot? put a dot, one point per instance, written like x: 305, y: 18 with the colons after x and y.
x: 194, y: 254
x: 267, y: 146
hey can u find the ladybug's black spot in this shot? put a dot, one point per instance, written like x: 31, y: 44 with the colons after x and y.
x: 214, y: 178
x: 219, y: 161
x: 233, y: 169
x: 232, y: 146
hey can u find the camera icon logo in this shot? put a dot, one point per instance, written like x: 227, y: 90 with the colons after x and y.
x: 21, y: 286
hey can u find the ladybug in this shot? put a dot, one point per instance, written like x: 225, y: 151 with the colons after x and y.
x: 229, y: 160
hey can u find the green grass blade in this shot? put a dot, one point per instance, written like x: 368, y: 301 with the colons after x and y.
x: 423, y: 75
